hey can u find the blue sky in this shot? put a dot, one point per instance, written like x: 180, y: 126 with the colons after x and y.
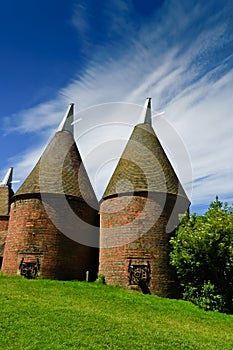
x: 94, y: 53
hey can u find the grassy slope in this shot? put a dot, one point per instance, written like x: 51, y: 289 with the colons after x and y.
x: 43, y: 314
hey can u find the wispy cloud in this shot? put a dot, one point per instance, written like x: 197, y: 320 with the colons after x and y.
x: 183, y: 62
x: 35, y: 119
x: 80, y: 19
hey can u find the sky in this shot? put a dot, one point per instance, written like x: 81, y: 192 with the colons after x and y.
x: 107, y: 57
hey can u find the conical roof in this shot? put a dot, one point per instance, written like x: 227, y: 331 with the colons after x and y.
x: 6, y: 193
x: 60, y: 170
x: 144, y: 166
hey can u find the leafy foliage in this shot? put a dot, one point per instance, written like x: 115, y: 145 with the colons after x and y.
x: 202, y: 253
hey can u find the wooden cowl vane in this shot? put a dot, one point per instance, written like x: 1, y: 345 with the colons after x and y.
x: 139, y: 210
x: 54, y: 214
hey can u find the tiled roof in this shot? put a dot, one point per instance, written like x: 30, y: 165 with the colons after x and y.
x: 59, y: 171
x: 5, y: 194
x: 144, y: 166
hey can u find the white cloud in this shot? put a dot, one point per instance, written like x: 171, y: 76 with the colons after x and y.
x: 80, y: 19
x: 182, y: 66
x: 24, y: 163
x: 35, y: 119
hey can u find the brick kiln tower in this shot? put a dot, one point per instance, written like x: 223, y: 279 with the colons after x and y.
x: 54, y: 215
x: 5, y: 195
x: 138, y: 212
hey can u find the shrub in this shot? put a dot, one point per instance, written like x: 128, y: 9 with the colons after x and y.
x: 101, y: 279
x: 205, y: 297
x: 202, y: 253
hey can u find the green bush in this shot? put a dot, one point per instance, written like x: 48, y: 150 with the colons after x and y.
x: 202, y: 253
x: 101, y: 279
x: 205, y: 297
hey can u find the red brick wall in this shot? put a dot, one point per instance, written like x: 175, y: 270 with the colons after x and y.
x: 133, y: 230
x: 3, y: 231
x: 5, y: 194
x: 4, y: 223
x: 33, y: 235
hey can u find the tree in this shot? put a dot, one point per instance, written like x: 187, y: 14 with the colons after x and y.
x: 202, y: 253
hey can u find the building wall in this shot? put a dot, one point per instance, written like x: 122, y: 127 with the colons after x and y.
x: 133, y: 232
x: 32, y: 234
x: 4, y: 220
x: 5, y: 194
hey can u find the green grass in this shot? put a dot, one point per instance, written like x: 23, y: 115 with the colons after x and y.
x: 44, y: 314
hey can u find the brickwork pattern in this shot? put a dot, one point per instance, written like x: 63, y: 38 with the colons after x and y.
x: 133, y: 230
x: 5, y: 195
x: 4, y: 220
x: 4, y: 223
x: 32, y: 235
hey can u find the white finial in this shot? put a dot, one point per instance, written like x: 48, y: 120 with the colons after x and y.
x: 66, y: 123
x: 7, y: 180
x: 148, y: 111
x: 145, y: 117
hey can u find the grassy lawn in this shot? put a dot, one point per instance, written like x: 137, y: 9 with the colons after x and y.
x: 44, y: 314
